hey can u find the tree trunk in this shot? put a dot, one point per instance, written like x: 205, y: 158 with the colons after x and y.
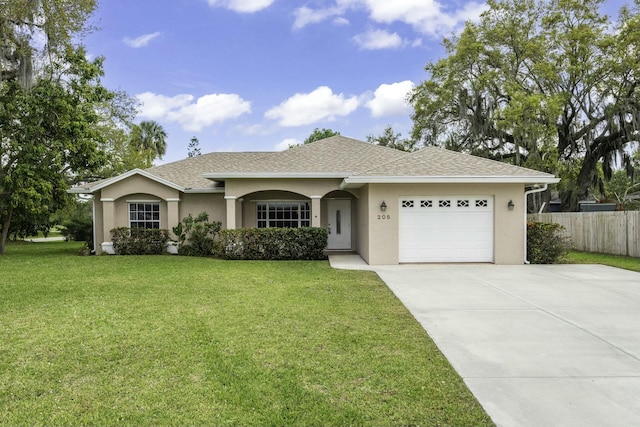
x: 581, y: 189
x: 5, y: 230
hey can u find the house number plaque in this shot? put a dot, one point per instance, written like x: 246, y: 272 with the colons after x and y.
x: 380, y: 217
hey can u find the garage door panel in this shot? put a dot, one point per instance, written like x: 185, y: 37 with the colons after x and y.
x: 446, y: 229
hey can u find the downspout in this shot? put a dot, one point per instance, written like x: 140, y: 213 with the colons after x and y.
x: 93, y: 223
x: 526, y: 193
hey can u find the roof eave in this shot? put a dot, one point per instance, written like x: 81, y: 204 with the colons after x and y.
x: 359, y: 181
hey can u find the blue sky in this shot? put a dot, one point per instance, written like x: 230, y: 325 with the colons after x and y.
x: 258, y: 75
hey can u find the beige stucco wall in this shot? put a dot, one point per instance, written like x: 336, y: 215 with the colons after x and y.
x: 138, y: 184
x: 212, y: 203
x: 362, y: 223
x: 305, y: 187
x: 383, y: 228
x: 112, y: 208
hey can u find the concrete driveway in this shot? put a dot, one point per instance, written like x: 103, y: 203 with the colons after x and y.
x: 543, y: 345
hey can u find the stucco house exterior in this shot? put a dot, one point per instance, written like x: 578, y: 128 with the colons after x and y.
x: 389, y: 206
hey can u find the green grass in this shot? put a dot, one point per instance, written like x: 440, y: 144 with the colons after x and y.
x: 53, y: 232
x: 189, y: 341
x: 628, y: 263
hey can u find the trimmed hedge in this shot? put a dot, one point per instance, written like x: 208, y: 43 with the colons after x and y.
x: 306, y: 243
x: 546, y: 243
x: 139, y: 241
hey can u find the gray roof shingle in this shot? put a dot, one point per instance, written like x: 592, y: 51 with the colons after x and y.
x: 339, y: 156
x: 438, y: 162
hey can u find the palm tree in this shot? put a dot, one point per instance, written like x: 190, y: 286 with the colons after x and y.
x: 149, y: 139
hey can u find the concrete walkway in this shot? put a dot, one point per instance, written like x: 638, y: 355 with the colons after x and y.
x: 538, y: 345
x: 47, y: 239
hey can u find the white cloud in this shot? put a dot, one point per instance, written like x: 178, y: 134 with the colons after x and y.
x: 156, y: 107
x: 378, y: 39
x: 391, y: 99
x: 471, y: 11
x: 286, y: 143
x: 193, y: 116
x: 242, y: 6
x: 425, y: 16
x: 306, y: 108
x: 305, y: 16
x: 340, y: 20
x: 140, y: 41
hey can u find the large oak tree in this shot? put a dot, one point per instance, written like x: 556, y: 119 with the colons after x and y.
x: 51, y: 107
x: 549, y: 84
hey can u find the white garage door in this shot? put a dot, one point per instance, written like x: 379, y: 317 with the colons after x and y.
x: 446, y: 229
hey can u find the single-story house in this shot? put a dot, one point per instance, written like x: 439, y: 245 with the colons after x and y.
x: 389, y: 206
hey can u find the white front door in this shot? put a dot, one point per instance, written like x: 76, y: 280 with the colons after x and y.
x: 339, y: 224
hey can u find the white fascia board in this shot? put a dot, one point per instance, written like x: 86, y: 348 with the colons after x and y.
x: 130, y: 173
x: 78, y: 190
x: 273, y: 175
x: 361, y: 180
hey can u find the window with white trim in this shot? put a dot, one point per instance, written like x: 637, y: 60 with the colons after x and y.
x: 144, y: 215
x: 283, y: 214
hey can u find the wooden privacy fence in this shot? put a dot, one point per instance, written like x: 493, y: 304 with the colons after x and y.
x: 616, y: 233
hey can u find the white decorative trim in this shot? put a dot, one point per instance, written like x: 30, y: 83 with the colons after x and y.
x: 143, y: 201
x: 173, y: 199
x: 230, y: 197
x: 107, y: 247
x: 107, y: 200
x: 315, y: 197
x: 93, y: 222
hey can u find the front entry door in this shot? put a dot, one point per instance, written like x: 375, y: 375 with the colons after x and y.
x: 339, y: 224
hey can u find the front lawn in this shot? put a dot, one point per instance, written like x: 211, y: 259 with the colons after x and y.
x: 628, y: 263
x: 168, y: 340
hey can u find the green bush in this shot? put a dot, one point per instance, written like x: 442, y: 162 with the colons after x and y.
x: 546, y: 243
x: 79, y: 224
x: 273, y: 243
x: 139, y: 241
x: 199, y: 233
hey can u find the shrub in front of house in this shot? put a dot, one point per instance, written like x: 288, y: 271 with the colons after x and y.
x: 546, y: 243
x: 139, y: 241
x: 306, y: 243
x: 196, y: 235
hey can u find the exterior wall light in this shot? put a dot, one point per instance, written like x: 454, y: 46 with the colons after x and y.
x: 383, y: 206
x: 510, y: 205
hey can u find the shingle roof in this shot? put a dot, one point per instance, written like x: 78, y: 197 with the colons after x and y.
x: 188, y: 172
x: 438, y: 162
x: 338, y: 156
